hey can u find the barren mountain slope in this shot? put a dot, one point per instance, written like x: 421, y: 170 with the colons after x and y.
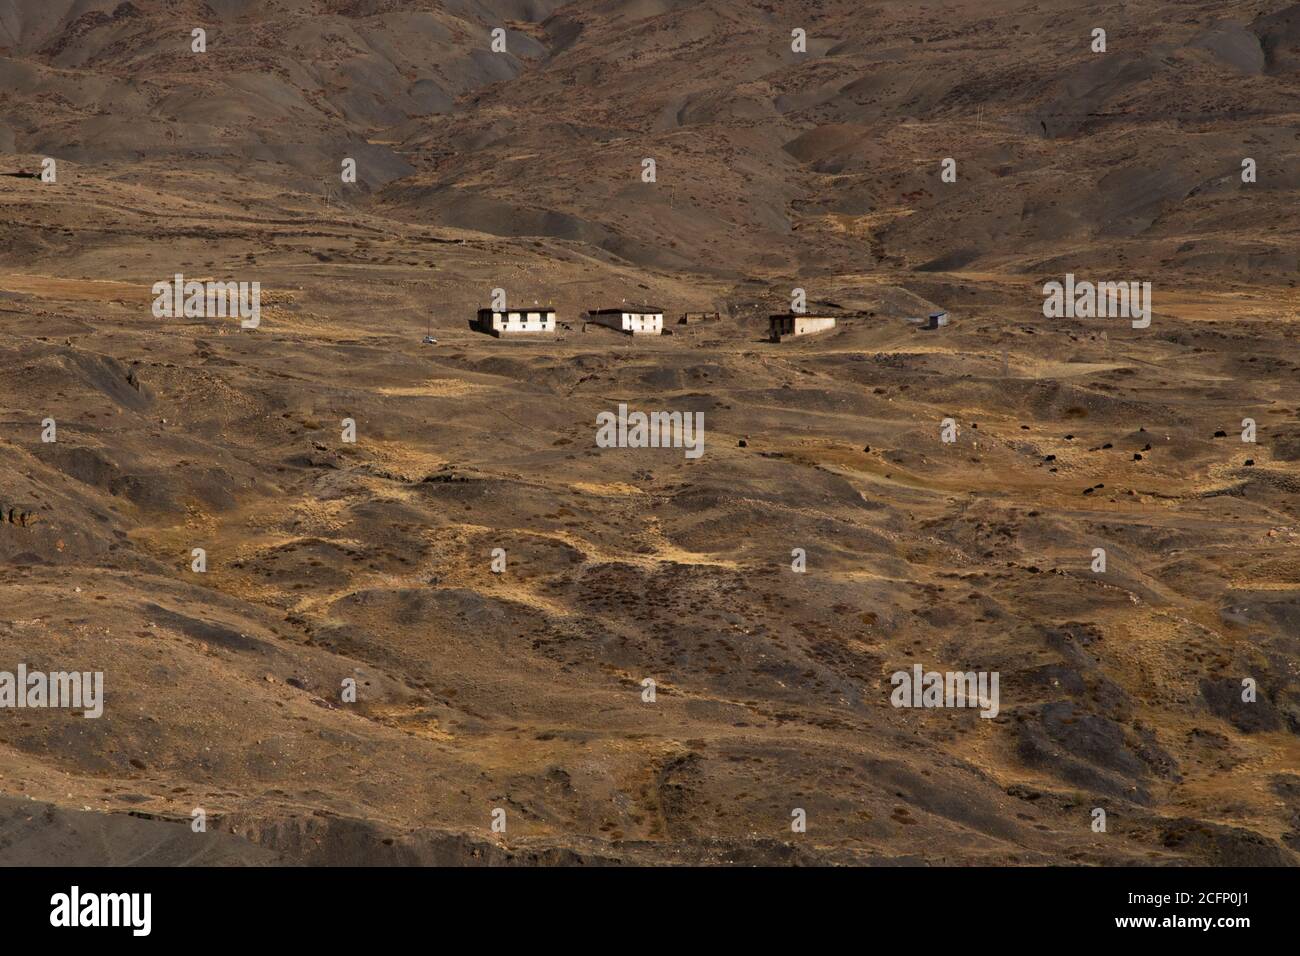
x: 330, y: 561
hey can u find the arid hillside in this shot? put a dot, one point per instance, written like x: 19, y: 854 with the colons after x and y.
x: 385, y: 647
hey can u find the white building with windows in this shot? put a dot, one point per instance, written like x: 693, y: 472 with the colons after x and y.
x: 537, y: 319
x: 789, y: 324
x: 632, y: 319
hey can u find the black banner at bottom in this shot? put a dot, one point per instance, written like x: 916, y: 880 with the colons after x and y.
x: 333, y: 906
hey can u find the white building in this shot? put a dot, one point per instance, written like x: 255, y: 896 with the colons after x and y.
x: 537, y: 319
x: 790, y: 323
x: 632, y: 319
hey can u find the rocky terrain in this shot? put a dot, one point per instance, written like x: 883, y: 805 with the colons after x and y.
x: 332, y: 563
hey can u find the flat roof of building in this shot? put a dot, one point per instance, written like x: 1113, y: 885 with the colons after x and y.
x: 520, y: 308
x: 800, y: 315
x: 618, y: 310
